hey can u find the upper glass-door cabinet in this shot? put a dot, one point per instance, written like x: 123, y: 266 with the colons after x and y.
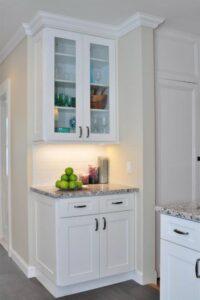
x: 62, y: 79
x: 101, y: 99
x: 74, y: 87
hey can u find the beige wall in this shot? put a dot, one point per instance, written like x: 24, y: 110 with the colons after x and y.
x: 137, y: 142
x: 15, y: 68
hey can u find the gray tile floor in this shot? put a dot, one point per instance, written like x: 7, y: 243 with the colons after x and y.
x: 15, y: 286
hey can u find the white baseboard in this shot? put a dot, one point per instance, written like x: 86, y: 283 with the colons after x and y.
x: 138, y: 277
x: 4, y: 244
x: 29, y: 271
x: 58, y: 291
x: 143, y: 280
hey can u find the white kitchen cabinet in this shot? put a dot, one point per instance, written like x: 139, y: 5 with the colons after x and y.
x: 72, y: 72
x: 178, y: 272
x: 116, y: 243
x: 78, y: 249
x: 180, y: 259
x: 92, y: 247
x: 87, y: 247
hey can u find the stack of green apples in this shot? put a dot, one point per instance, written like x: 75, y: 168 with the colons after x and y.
x: 68, y: 181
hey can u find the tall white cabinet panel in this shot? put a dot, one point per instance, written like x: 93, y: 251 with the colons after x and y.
x: 177, y: 134
x: 177, y: 56
x: 78, y: 249
x: 178, y: 272
x: 116, y: 243
x: 99, y: 85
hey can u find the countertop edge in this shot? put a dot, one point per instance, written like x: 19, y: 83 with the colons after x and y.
x: 178, y: 213
x: 84, y: 193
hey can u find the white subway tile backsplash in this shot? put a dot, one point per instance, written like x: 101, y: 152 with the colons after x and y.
x: 49, y: 161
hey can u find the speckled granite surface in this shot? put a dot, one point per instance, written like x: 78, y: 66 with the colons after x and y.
x: 90, y: 190
x: 189, y: 211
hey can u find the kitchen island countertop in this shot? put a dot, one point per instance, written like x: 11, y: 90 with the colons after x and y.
x: 188, y: 210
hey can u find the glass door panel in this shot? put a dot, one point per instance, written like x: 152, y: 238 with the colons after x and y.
x: 99, y: 89
x: 65, y: 86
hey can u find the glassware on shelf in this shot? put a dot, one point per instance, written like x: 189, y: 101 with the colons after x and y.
x: 72, y: 123
x: 63, y: 129
x: 94, y: 127
x: 104, y: 121
x: 84, y: 178
x: 97, y: 76
x: 93, y: 175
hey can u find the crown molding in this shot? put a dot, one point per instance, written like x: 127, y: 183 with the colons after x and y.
x: 138, y: 20
x: 12, y: 44
x: 44, y: 20
x: 48, y: 20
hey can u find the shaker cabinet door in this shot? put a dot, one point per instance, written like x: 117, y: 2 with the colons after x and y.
x: 78, y: 250
x: 116, y: 243
x: 180, y: 268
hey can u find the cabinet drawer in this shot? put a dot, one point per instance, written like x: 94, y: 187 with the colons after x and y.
x: 182, y: 232
x: 114, y: 203
x: 78, y: 207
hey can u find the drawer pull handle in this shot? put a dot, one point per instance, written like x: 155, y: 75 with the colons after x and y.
x: 97, y: 224
x: 80, y: 206
x: 197, y: 268
x: 181, y: 232
x: 104, y: 223
x: 118, y: 202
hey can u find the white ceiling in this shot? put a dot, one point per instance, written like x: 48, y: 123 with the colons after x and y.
x: 179, y: 14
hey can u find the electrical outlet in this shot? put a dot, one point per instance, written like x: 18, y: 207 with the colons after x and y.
x: 129, y: 167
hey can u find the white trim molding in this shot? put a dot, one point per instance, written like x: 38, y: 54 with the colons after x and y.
x: 138, y: 20
x: 5, y: 89
x: 29, y: 271
x: 60, y: 291
x: 48, y: 20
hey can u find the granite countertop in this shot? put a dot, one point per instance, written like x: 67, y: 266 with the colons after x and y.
x: 189, y: 211
x: 90, y: 190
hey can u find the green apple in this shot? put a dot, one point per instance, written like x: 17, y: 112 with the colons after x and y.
x: 79, y: 184
x: 57, y: 184
x: 64, y: 177
x: 69, y: 171
x: 73, y: 177
x: 72, y: 185
x: 64, y: 185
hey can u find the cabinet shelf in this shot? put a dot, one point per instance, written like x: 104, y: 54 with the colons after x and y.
x: 99, y: 84
x: 65, y: 108
x: 65, y: 54
x: 65, y: 81
x: 99, y: 60
x: 99, y: 110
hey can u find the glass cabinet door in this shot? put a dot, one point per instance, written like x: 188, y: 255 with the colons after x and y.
x: 101, y: 95
x: 65, y: 86
x: 99, y: 89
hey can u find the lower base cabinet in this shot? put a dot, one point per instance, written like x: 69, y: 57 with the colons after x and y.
x: 93, y: 247
x: 78, y: 241
x: 180, y: 266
